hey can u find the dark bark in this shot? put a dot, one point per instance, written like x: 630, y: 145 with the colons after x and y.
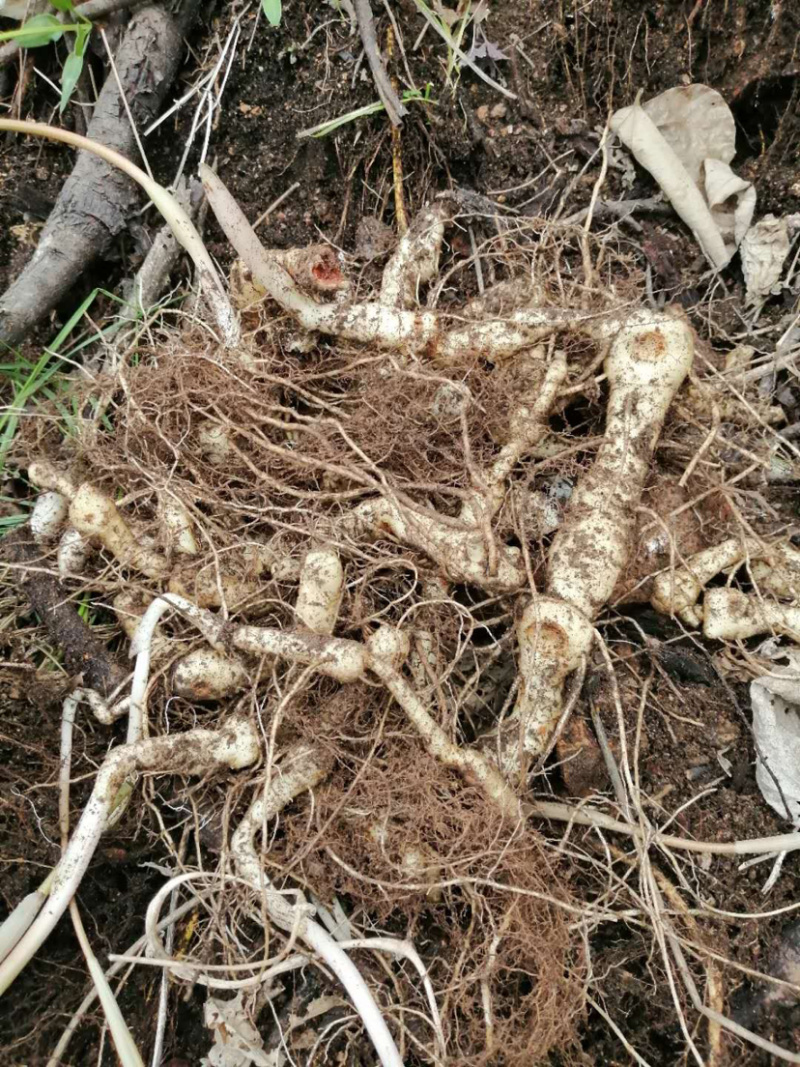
x: 97, y: 199
x: 84, y: 654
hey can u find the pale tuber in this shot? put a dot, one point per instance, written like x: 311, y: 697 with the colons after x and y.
x: 648, y: 361
x: 48, y: 516
x: 730, y: 615
x: 676, y: 591
x: 95, y: 515
x: 319, y: 593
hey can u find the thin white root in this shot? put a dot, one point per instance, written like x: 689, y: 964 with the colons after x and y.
x: 730, y: 615
x: 676, y: 592
x: 48, y: 516
x: 405, y: 950
x: 588, y: 816
x: 123, y: 1041
x: 95, y: 515
x: 21, y: 917
x: 415, y: 261
x: 129, y: 607
x: 196, y: 752
x: 304, y: 768
x: 468, y: 762
x: 73, y: 553
x: 319, y: 594
x: 528, y: 428
x: 141, y: 648
x: 461, y: 548
x: 57, y: 1058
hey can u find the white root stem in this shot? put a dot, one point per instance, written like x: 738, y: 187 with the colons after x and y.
x: 207, y: 589
x: 177, y: 524
x: 780, y: 574
x: 95, y: 515
x: 196, y: 752
x: 730, y: 615
x: 345, y: 661
x: 528, y: 428
x: 21, y: 917
x: 123, y: 1041
x: 129, y: 607
x: 461, y: 553
x: 205, y: 674
x: 45, y: 476
x: 676, y: 592
x: 553, y: 637
x: 391, y: 327
x: 775, y: 569
x: 304, y: 768
x: 415, y: 261
x: 648, y: 360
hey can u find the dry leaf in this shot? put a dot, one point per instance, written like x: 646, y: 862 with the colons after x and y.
x: 775, y: 700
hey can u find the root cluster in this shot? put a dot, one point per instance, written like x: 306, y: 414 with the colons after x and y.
x: 392, y: 545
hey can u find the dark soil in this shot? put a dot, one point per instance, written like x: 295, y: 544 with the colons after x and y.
x: 580, y: 61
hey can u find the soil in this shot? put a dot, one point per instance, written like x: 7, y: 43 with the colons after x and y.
x: 577, y: 61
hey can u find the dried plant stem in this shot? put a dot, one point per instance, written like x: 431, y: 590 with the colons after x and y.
x: 587, y: 816
x: 182, y: 226
x: 366, y: 26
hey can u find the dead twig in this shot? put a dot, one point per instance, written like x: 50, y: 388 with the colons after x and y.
x: 366, y: 26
